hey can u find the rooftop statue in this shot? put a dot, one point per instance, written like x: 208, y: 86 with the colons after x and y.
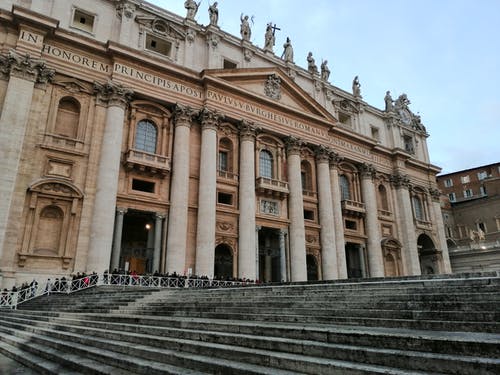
x: 311, y: 64
x: 245, y: 30
x: 389, y: 103
x: 269, y: 38
x: 356, y: 87
x: 287, y: 51
x: 213, y: 14
x: 325, y: 72
x: 192, y: 8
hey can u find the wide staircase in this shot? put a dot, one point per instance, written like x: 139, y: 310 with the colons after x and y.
x: 415, y: 325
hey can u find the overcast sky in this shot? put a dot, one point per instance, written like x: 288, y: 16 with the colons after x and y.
x: 444, y: 54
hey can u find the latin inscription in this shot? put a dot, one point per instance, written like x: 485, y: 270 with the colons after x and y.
x: 29, y: 37
x: 76, y: 58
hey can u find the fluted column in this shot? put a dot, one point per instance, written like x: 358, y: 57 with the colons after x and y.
x: 328, y: 240
x: 23, y: 72
x: 178, y: 213
x: 296, y: 212
x: 157, y: 242
x: 247, y: 244
x: 337, y: 217
x: 375, y: 258
x: 205, y: 232
x: 117, y: 238
x: 116, y: 98
x: 409, y: 241
x: 282, y: 255
x: 441, y: 235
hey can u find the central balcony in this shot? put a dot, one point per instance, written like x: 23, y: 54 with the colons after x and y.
x: 146, y: 162
x: 272, y: 187
x: 353, y: 207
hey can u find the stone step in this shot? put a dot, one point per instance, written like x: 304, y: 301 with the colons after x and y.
x: 274, y: 362
x: 463, y: 362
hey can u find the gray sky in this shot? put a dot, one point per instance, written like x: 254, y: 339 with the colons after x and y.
x: 444, y: 54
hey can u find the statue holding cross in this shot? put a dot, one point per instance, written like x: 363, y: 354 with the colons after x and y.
x: 270, y: 37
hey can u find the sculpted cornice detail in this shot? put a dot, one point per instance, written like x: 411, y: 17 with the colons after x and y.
x: 335, y: 159
x: 209, y: 119
x: 125, y: 9
x: 400, y: 180
x: 183, y: 115
x: 435, y: 194
x: 293, y: 145
x: 112, y: 94
x: 25, y: 67
x: 248, y: 131
x: 322, y: 154
x: 367, y: 170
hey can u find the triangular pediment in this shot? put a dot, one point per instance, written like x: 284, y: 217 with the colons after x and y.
x: 270, y: 85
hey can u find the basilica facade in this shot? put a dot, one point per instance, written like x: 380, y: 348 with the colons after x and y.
x: 137, y: 139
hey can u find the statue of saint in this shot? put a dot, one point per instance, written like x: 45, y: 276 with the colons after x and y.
x: 287, y: 51
x: 389, y: 103
x: 311, y: 64
x: 325, y: 72
x: 213, y: 14
x: 192, y: 8
x: 269, y: 38
x: 245, y: 30
x: 356, y: 87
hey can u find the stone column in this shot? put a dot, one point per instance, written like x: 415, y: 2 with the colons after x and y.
x: 257, y: 270
x: 337, y: 216
x: 247, y: 244
x: 117, y: 239
x: 23, y: 72
x: 375, y: 257
x: 441, y: 235
x: 157, y: 242
x: 116, y: 98
x: 178, y: 214
x: 283, y: 255
x: 205, y: 231
x: 328, y: 240
x: 409, y: 241
x: 296, y: 212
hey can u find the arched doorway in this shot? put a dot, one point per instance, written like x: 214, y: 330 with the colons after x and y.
x: 312, y: 268
x: 223, y: 265
x: 391, y: 250
x: 428, y: 254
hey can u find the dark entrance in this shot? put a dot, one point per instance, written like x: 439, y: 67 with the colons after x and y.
x: 355, y: 260
x: 137, y: 242
x: 312, y: 268
x: 269, y: 255
x: 223, y: 266
x: 428, y: 255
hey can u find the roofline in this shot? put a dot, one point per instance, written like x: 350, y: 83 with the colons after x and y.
x: 469, y: 169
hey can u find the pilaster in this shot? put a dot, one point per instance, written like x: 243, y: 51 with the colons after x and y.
x: 338, y: 219
x: 439, y: 227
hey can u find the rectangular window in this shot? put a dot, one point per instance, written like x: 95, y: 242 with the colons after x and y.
x: 229, y: 64
x: 224, y: 198
x: 375, y: 133
x: 465, y: 179
x: 482, y: 227
x: 83, y: 20
x: 344, y: 119
x: 351, y: 224
x: 482, y: 175
x: 144, y: 186
x: 308, y: 214
x: 468, y: 193
x: 452, y: 197
x: 158, y: 45
x: 408, y: 144
x: 223, y: 161
x: 448, y: 182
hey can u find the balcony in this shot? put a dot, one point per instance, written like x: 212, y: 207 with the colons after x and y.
x: 272, y: 187
x: 309, y: 194
x: 423, y: 224
x: 146, y: 162
x: 353, y: 207
x: 383, y: 214
x: 227, y: 176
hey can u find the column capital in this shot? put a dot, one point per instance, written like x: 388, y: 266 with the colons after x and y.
x: 25, y: 67
x: 248, y: 130
x: 112, y: 94
x: 335, y: 160
x: 400, y: 180
x: 435, y: 194
x: 367, y: 170
x: 159, y: 216
x: 293, y: 145
x: 323, y: 154
x: 209, y: 119
x: 121, y: 210
x: 183, y: 115
x: 125, y: 9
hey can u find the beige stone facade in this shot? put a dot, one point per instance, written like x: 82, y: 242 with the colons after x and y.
x: 134, y: 138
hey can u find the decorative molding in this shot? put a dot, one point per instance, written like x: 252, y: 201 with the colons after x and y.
x: 25, y: 67
x: 435, y: 194
x: 367, y: 170
x: 224, y: 226
x: 400, y: 180
x: 209, y: 119
x: 112, y: 94
x: 293, y: 145
x: 248, y: 131
x: 183, y: 115
x: 125, y: 9
x: 322, y: 154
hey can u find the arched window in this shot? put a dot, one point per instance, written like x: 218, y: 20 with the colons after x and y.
x: 382, y: 194
x: 49, y: 230
x: 345, y: 188
x: 417, y: 206
x: 145, y: 136
x: 266, y: 164
x: 68, y: 116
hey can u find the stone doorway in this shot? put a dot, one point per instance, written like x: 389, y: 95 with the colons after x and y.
x: 137, y: 245
x: 269, y: 255
x: 312, y: 268
x: 428, y: 255
x: 223, y: 265
x: 355, y: 259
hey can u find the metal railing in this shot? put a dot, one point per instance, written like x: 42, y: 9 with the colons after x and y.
x: 11, y: 299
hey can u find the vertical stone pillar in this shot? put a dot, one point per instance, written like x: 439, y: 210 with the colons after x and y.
x: 205, y: 232
x: 117, y: 239
x: 257, y: 270
x: 362, y: 260
x: 375, y: 257
x: 126, y: 11
x: 23, y: 72
x: 328, y: 240
x: 441, y: 235
x: 157, y: 242
x: 337, y: 216
x: 409, y: 241
x: 283, y: 255
x: 116, y: 98
x: 178, y: 214
x: 296, y: 212
x: 247, y: 244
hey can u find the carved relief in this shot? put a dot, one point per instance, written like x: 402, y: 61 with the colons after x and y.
x: 209, y: 119
x: 400, y: 180
x: 322, y: 154
x: 26, y: 67
x: 224, y: 226
x: 272, y: 87
x: 435, y: 194
x: 247, y: 130
x: 269, y: 207
x: 59, y: 168
x: 183, y: 115
x: 111, y: 93
x: 293, y: 145
x: 367, y: 170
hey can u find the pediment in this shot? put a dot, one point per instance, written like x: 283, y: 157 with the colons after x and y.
x: 73, y: 85
x: 272, y: 86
